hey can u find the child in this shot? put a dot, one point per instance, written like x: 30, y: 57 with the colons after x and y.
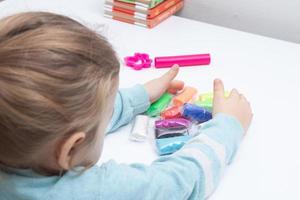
x: 58, y: 82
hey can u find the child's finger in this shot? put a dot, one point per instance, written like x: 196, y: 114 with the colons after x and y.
x: 242, y: 97
x: 218, y: 89
x: 234, y: 93
x: 175, y: 86
x: 170, y: 75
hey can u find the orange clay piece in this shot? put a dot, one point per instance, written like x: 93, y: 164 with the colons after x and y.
x: 184, y: 97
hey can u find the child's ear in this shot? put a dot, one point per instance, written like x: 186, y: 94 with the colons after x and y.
x: 67, y: 149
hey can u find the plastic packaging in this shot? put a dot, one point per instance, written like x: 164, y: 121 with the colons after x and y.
x: 139, y: 130
x: 170, y: 123
x: 170, y: 132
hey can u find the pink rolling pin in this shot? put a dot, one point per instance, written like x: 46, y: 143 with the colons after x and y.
x: 185, y: 60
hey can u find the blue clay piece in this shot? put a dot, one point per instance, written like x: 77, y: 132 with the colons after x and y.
x: 196, y: 113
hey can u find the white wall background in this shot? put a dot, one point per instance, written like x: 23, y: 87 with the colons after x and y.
x: 274, y: 18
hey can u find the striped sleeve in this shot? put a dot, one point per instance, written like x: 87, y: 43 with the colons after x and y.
x: 191, y: 173
x: 214, y: 149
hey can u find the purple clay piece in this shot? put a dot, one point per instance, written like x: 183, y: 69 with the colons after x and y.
x: 169, y: 123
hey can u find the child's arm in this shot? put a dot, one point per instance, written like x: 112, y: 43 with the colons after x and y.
x: 129, y: 102
x: 136, y: 100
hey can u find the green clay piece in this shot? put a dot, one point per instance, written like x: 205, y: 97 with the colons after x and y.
x: 206, y: 100
x: 158, y: 106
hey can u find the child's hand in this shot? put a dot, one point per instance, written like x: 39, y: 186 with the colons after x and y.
x: 157, y: 87
x: 236, y: 104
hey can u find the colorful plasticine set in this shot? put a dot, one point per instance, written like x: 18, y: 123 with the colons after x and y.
x: 178, y: 118
x: 146, y: 13
x: 180, y: 115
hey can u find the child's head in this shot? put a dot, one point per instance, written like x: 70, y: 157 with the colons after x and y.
x: 58, y: 82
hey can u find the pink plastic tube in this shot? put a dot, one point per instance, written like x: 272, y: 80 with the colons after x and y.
x: 185, y: 60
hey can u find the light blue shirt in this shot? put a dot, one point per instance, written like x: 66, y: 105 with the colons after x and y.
x: 193, y: 172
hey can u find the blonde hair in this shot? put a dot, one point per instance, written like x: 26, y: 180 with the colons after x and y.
x: 55, y: 78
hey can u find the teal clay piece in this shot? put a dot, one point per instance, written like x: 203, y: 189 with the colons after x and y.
x: 170, y: 145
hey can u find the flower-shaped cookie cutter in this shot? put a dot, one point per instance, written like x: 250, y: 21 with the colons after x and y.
x: 138, y: 61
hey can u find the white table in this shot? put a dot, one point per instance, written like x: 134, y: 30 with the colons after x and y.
x: 266, y: 70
